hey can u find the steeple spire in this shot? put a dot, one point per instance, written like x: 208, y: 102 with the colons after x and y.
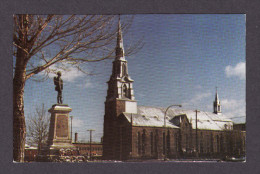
x: 120, y: 53
x: 216, y: 103
x: 120, y: 85
x: 216, y: 96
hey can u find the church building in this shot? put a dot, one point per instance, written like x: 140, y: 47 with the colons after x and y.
x: 143, y: 132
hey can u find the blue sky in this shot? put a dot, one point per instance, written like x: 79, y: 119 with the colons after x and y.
x: 184, y: 58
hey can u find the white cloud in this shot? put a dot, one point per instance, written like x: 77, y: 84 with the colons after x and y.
x: 197, y: 99
x: 86, y: 83
x: 69, y: 73
x: 77, y: 123
x: 233, y: 108
x: 238, y: 70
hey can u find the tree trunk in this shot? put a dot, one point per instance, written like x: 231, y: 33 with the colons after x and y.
x: 19, y: 128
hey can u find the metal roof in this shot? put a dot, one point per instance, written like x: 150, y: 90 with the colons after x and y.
x: 145, y: 120
x: 154, y: 116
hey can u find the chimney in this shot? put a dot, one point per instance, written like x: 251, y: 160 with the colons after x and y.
x: 76, y: 137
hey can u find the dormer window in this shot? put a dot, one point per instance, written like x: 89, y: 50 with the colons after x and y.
x: 156, y: 117
x: 225, y: 126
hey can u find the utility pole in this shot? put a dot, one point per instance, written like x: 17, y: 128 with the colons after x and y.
x: 71, y: 117
x: 197, y: 130
x: 90, y: 141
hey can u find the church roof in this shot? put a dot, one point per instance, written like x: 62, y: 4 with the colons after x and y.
x: 151, y: 121
x: 154, y: 116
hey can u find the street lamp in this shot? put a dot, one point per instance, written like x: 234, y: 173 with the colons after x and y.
x: 71, y: 117
x: 165, y: 126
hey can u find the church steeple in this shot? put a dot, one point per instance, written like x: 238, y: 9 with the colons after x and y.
x: 120, y: 53
x: 120, y: 99
x: 216, y: 103
x: 120, y: 85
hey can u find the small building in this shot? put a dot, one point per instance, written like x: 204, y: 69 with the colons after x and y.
x: 84, y: 149
x: 30, y: 153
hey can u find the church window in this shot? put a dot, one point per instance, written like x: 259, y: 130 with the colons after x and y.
x: 139, y: 143
x: 164, y: 143
x: 218, y: 145
x: 151, y: 135
x: 176, y: 142
x: 208, y: 143
x: 221, y: 143
x: 201, y: 142
x: 187, y: 142
x: 218, y: 108
x: 168, y: 142
x: 156, y: 142
x: 143, y: 142
x: 211, y: 142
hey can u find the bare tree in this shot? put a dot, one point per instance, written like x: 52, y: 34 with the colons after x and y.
x: 38, y: 127
x: 42, y: 41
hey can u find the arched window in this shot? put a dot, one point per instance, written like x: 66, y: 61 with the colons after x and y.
x: 156, y: 142
x: 187, y: 141
x: 225, y: 126
x: 208, y: 143
x: 176, y: 142
x: 211, y: 142
x: 151, y: 136
x: 218, y: 144
x: 201, y: 142
x: 125, y: 91
x: 139, y: 143
x: 221, y: 143
x: 168, y: 143
x: 143, y: 142
x: 164, y: 143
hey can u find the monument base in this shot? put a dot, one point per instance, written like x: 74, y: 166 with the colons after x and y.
x: 54, y: 153
x: 59, y: 133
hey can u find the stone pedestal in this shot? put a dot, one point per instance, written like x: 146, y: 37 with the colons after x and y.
x: 59, y: 131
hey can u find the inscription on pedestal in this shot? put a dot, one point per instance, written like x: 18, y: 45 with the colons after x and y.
x: 62, y: 126
x: 59, y: 131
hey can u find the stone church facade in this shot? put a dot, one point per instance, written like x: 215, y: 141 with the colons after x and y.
x: 139, y: 132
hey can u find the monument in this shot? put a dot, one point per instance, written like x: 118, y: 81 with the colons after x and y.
x: 59, y: 129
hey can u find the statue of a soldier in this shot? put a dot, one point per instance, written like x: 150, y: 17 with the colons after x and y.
x: 58, y: 87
